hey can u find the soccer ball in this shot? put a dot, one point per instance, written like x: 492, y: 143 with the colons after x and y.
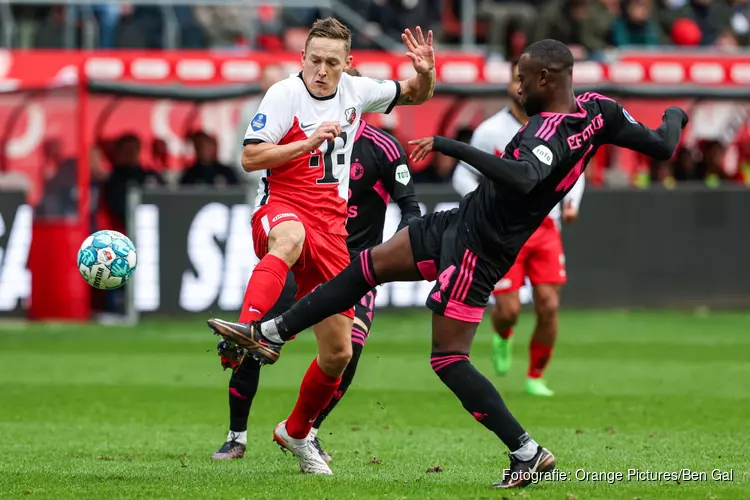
x: 107, y: 260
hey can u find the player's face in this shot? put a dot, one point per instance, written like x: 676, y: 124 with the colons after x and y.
x: 323, y: 61
x: 530, y: 83
x: 513, y: 86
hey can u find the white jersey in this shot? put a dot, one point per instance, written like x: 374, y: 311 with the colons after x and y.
x: 492, y: 136
x: 316, y: 183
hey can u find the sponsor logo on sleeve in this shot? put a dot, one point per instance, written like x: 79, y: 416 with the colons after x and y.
x: 259, y: 121
x: 627, y: 115
x: 403, y: 176
x: 543, y: 153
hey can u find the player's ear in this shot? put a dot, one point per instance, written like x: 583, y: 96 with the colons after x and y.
x: 302, y: 56
x: 543, y: 77
x: 349, y: 60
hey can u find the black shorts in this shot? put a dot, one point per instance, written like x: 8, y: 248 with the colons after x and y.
x: 464, y: 282
x: 364, y: 311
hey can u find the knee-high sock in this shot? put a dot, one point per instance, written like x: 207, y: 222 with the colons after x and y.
x: 479, y: 397
x: 315, y: 393
x: 358, y: 343
x: 242, y: 388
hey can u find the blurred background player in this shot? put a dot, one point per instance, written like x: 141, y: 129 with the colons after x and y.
x: 541, y: 259
x: 302, y: 137
x: 380, y: 171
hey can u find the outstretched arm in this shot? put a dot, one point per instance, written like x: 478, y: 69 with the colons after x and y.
x: 522, y: 175
x: 419, y: 88
x: 659, y: 143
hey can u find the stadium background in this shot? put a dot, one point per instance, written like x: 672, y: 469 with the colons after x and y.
x: 76, y: 78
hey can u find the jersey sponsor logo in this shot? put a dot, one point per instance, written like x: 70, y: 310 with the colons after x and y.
x: 627, y: 115
x: 283, y: 216
x: 357, y: 171
x: 576, y: 141
x: 350, y: 114
x: 259, y: 121
x: 403, y: 176
x: 544, y: 154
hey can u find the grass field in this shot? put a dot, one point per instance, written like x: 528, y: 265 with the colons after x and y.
x: 104, y: 412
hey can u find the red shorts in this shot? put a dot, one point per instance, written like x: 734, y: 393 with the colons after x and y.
x: 324, y: 255
x: 541, y: 259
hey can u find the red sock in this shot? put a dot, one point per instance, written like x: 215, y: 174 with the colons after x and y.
x: 506, y: 334
x: 315, y: 393
x: 539, y: 356
x: 264, y: 288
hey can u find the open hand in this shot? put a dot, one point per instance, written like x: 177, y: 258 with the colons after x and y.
x: 419, y: 50
x: 424, y: 147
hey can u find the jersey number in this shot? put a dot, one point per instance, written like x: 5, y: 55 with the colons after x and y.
x: 328, y: 177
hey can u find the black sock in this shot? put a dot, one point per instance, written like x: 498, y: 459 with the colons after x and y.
x: 242, y: 388
x: 478, y: 396
x: 346, y: 381
x: 332, y: 297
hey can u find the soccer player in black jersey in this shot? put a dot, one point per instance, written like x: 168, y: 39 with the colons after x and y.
x: 467, y: 250
x: 380, y: 171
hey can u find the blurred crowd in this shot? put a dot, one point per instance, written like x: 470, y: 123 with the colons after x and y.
x: 504, y: 26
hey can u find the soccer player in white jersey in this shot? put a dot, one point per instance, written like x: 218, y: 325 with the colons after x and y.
x: 541, y: 259
x: 302, y: 138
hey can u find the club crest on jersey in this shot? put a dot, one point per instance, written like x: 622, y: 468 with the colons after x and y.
x: 357, y: 171
x: 350, y: 114
x: 627, y: 115
x: 259, y: 121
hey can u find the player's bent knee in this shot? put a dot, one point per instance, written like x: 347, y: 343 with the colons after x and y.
x: 506, y: 311
x: 286, y: 241
x: 547, y: 304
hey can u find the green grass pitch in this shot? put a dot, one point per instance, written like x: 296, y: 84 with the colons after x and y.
x: 107, y: 412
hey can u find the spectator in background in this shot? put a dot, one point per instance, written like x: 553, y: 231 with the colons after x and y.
x: 60, y: 194
x: 711, y: 17
x: 207, y: 170
x: 127, y: 172
x: 711, y: 166
x: 740, y: 20
x: 636, y: 26
x: 684, y: 169
x: 662, y: 174
x: 271, y: 74
x: 223, y: 25
x: 504, y: 15
x: 583, y: 25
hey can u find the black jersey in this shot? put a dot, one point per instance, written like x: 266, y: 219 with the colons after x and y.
x: 379, y: 171
x: 548, y: 155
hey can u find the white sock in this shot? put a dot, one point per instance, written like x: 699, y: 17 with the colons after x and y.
x: 269, y: 331
x: 527, y: 451
x: 313, y: 433
x: 240, y: 437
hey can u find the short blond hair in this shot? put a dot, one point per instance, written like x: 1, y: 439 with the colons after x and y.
x: 352, y: 71
x: 330, y: 28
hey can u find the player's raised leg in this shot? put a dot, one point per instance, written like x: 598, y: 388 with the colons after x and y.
x: 390, y: 261
x: 546, y: 306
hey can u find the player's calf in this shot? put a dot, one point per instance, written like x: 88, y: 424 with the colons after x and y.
x: 334, y: 344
